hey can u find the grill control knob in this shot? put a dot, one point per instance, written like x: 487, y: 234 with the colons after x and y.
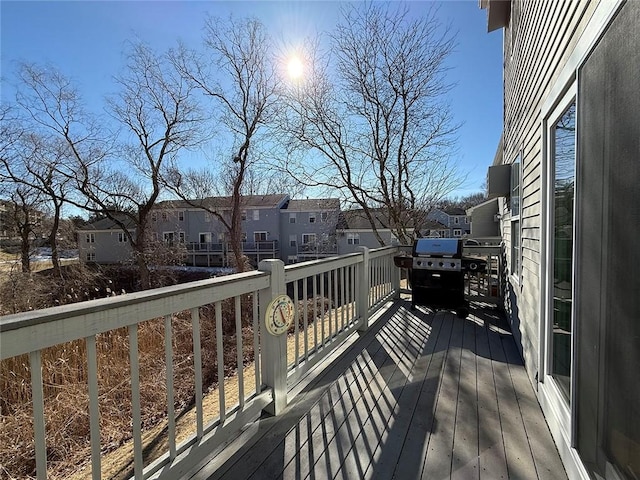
x: 430, y: 263
x: 453, y: 265
x: 441, y: 264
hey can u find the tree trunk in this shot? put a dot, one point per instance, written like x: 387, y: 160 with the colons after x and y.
x: 53, y: 242
x: 25, y: 247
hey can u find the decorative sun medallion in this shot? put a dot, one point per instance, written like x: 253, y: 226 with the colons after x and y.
x: 279, y: 315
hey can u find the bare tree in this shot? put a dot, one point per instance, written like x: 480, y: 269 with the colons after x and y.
x: 34, y: 166
x: 236, y: 72
x: 158, y: 115
x: 370, y: 118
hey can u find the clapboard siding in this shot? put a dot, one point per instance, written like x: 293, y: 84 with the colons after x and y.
x: 545, y: 35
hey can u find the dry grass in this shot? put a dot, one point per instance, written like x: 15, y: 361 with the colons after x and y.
x: 67, y: 400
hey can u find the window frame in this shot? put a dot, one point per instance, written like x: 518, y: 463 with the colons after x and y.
x: 515, y: 246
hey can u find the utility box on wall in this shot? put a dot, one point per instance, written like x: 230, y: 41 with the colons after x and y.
x: 499, y: 181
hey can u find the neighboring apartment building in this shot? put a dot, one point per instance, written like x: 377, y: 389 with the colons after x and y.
x: 455, y: 220
x: 566, y: 176
x: 273, y: 226
x: 309, y: 229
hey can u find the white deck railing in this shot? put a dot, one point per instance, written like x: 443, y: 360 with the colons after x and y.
x: 334, y: 298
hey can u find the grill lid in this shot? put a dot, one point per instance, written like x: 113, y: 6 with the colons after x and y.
x: 437, y: 247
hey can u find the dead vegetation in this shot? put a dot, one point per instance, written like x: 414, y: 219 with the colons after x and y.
x: 64, y: 369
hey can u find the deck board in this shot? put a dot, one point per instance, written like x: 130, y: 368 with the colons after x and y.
x: 419, y: 395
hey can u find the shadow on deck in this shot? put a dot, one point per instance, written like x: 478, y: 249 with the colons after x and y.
x: 419, y: 395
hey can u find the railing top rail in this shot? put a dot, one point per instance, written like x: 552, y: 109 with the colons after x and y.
x: 96, y: 316
x: 301, y: 270
x: 382, y: 251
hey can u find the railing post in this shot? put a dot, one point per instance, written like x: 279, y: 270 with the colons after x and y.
x: 364, y: 289
x: 396, y: 273
x: 274, y: 348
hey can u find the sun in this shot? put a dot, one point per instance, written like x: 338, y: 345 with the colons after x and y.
x: 295, y: 68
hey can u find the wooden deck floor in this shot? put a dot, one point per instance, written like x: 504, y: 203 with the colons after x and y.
x: 420, y: 395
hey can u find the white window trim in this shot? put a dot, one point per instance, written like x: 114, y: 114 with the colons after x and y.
x: 260, y: 232
x: 564, y: 413
x: 516, y: 276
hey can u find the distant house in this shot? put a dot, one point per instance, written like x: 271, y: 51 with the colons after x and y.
x: 434, y: 229
x: 354, y: 230
x: 455, y: 220
x: 103, y: 241
x: 485, y: 219
x: 566, y: 177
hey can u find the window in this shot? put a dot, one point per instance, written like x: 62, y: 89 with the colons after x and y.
x: 515, y: 248
x: 457, y: 232
x: 292, y: 218
x: 91, y: 256
x: 91, y: 238
x: 515, y: 187
x: 562, y: 189
x: 164, y: 216
x: 256, y: 214
x: 181, y: 216
x: 181, y: 237
x: 312, y: 218
x: 353, y: 239
x: 154, y: 216
x: 207, y: 217
x: 122, y: 237
x: 516, y: 252
x: 259, y: 236
x: 204, y: 237
x: 456, y: 220
x: 324, y: 217
x: 308, y: 238
x: 243, y: 237
x: 168, y: 237
x: 243, y: 215
x: 293, y: 241
x: 222, y: 237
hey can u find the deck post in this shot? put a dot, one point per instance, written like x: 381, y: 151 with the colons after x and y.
x: 362, y: 305
x: 396, y: 279
x: 274, y: 348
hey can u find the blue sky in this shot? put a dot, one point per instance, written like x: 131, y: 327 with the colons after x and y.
x: 86, y: 41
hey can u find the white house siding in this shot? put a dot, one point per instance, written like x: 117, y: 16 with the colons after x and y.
x: 544, y: 35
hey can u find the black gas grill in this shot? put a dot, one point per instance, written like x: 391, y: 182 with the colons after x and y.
x: 437, y: 277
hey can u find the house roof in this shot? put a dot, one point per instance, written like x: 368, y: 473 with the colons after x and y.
x: 357, y: 220
x: 482, y: 205
x: 223, y: 203
x: 108, y: 224
x: 433, y: 225
x: 311, y: 204
x: 454, y: 211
